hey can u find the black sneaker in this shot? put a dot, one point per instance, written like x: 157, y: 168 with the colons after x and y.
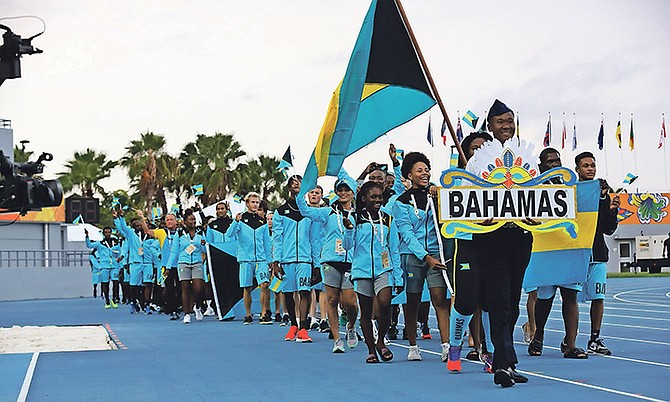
x: 425, y: 332
x: 248, y: 320
x: 404, y: 334
x: 277, y: 317
x: 519, y: 378
x: 265, y: 320
x: 174, y: 316
x: 393, y: 333
x: 324, y: 327
x: 598, y: 347
x: 564, y: 346
x: 284, y: 321
x: 504, y: 377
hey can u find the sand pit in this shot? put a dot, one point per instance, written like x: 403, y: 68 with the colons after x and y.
x: 30, y: 339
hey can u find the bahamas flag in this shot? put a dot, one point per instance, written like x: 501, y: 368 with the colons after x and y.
x: 557, y: 258
x: 384, y: 87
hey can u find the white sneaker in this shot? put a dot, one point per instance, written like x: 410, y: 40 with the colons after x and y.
x: 338, y: 346
x: 209, y: 312
x: 198, y: 314
x: 387, y: 341
x: 445, y: 352
x: 375, y: 330
x: 187, y: 319
x: 414, y: 354
x: 352, y: 339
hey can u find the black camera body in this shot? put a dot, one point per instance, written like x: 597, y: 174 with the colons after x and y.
x: 21, y: 192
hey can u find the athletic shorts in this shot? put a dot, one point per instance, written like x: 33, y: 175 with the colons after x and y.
x: 530, y: 290
x: 297, y: 276
x: 547, y: 292
x: 95, y: 275
x: 417, y: 271
x: 114, y: 274
x: 187, y: 272
x: 105, y: 274
x: 249, y: 270
x: 336, y: 279
x: 136, y: 274
x: 596, y: 282
x: 370, y: 287
x: 126, y: 273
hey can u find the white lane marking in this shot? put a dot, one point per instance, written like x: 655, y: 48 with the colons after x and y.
x: 618, y: 338
x: 617, y: 296
x: 28, y: 378
x: 610, y: 324
x: 552, y: 378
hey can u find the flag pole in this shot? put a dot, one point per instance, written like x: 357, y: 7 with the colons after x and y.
x: 602, y: 123
x: 433, y: 87
x: 211, y: 278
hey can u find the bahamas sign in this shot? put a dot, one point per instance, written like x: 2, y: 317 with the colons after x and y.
x: 502, y: 183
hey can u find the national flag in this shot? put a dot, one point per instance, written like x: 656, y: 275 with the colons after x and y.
x: 331, y: 196
x: 384, y: 87
x: 601, y: 135
x: 471, y: 119
x: 443, y: 132
x: 115, y: 201
x: 197, y: 189
x: 237, y: 198
x: 617, y: 134
x: 453, y: 161
x: 661, y: 140
x: 631, y: 137
x: 78, y: 220
x: 156, y: 213
x: 276, y: 285
x: 399, y: 154
x: 459, y: 130
x: 630, y: 178
x: 558, y: 257
x: 574, y: 136
x: 564, y: 134
x: 174, y: 209
x: 286, y: 160
x: 547, y: 133
x: 429, y: 136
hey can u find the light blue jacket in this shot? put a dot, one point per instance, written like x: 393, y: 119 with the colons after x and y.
x: 291, y: 235
x: 140, y: 250
x: 106, y: 255
x: 253, y: 238
x: 368, y: 246
x: 180, y: 245
x: 415, y: 224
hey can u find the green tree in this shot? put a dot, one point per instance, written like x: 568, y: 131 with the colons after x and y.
x: 85, y: 171
x: 261, y: 175
x: 147, y: 164
x: 21, y: 155
x: 212, y: 161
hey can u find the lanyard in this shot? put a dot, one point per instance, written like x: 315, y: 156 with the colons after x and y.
x: 416, y: 208
x: 340, y: 216
x: 381, y: 227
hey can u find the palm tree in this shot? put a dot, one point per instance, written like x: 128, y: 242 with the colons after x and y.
x: 146, y: 162
x: 261, y: 175
x: 21, y: 155
x: 211, y: 160
x: 84, y: 172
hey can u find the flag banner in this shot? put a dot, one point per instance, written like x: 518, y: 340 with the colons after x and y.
x: 471, y: 119
x: 601, y: 135
x: 617, y: 134
x: 276, y: 285
x: 237, y: 198
x: 429, y: 136
x: 644, y: 208
x: 564, y: 134
x: 574, y: 136
x: 156, y: 213
x: 197, y: 189
x: 558, y: 258
x: 286, y: 160
x: 399, y: 154
x: 174, y: 209
x: 115, y: 201
x: 443, y: 132
x: 453, y: 161
x: 79, y: 219
x: 459, y: 131
x: 661, y: 140
x: 547, y: 134
x: 629, y: 178
x: 518, y: 126
x: 631, y: 137
x: 384, y: 87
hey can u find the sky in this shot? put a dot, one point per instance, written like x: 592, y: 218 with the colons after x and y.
x: 265, y: 71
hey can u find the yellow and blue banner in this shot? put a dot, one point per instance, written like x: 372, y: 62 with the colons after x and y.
x: 384, y: 87
x: 559, y: 258
x: 471, y: 119
x: 197, y: 189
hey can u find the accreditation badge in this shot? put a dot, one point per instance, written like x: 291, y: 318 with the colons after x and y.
x: 339, y: 250
x: 140, y: 251
x: 385, y: 259
x: 190, y: 249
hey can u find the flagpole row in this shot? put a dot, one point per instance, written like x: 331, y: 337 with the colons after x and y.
x: 433, y: 87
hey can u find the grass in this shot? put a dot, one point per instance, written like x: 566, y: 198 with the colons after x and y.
x: 634, y: 275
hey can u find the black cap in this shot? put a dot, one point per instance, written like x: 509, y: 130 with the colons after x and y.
x: 497, y: 109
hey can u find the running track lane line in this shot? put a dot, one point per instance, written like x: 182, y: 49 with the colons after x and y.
x: 617, y: 296
x: 28, y: 378
x: 563, y: 380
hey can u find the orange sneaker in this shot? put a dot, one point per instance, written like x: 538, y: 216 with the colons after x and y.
x: 291, y: 333
x: 454, y: 361
x: 303, y: 336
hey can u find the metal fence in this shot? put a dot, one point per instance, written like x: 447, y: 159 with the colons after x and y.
x: 43, y: 258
